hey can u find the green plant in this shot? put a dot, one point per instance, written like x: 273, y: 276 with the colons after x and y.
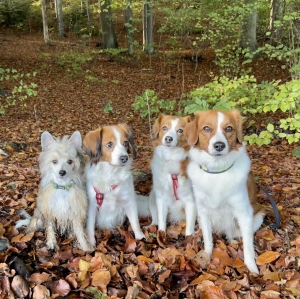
x: 97, y: 294
x: 21, y: 92
x: 148, y: 104
x: 250, y: 97
x: 108, y: 107
x: 73, y: 61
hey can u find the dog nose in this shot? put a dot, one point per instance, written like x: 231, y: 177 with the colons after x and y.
x: 219, y: 146
x: 62, y: 172
x: 168, y: 139
x: 124, y: 159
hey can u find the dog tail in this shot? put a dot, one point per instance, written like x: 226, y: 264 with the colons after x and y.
x: 25, y: 221
x: 143, y: 205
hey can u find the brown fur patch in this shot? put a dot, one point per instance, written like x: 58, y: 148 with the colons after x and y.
x: 196, y: 134
x: 97, y: 143
x: 166, y: 120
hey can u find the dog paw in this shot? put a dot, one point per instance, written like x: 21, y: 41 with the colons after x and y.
x: 87, y: 247
x: 52, y: 245
x: 252, y: 267
x: 139, y: 235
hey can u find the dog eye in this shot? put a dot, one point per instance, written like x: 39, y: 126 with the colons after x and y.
x: 125, y: 143
x: 179, y: 131
x: 54, y: 161
x: 165, y: 128
x: 70, y: 162
x: 207, y: 129
x: 228, y: 129
x: 109, y: 145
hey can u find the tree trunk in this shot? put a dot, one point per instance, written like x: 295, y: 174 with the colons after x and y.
x: 61, y: 30
x: 45, y: 24
x: 88, y: 12
x: 109, y: 37
x: 248, y: 27
x: 128, y: 25
x: 275, y: 15
x: 148, y: 28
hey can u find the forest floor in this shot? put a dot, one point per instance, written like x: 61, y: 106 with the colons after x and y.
x: 73, y: 94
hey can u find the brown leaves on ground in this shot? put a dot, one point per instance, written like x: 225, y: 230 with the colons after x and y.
x: 166, y: 265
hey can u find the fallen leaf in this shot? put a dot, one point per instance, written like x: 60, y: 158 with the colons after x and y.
x: 267, y: 257
x: 60, y: 287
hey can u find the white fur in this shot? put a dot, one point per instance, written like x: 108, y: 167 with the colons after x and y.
x: 60, y: 210
x: 222, y: 199
x: 119, y: 202
x: 162, y: 202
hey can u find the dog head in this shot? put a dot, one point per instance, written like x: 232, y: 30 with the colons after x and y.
x: 216, y: 132
x: 168, y: 131
x: 61, y: 159
x: 111, y: 144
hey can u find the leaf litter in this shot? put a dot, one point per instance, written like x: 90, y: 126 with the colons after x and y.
x: 167, y: 265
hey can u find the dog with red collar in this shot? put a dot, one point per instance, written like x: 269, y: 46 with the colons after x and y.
x: 171, y: 199
x: 109, y: 180
x: 224, y: 189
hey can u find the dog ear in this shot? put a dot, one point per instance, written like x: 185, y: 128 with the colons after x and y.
x: 92, y: 144
x: 46, y: 140
x: 239, y: 125
x: 130, y: 139
x: 191, y: 132
x: 76, y: 139
x: 187, y: 119
x: 156, y: 126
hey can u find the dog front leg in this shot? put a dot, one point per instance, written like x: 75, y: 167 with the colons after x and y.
x: 245, y: 222
x: 90, y: 224
x: 206, y: 228
x: 190, y: 215
x: 132, y: 214
x: 50, y: 235
x: 162, y: 211
x: 81, y: 236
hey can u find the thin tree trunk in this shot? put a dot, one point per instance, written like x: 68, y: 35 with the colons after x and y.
x: 248, y: 28
x: 148, y: 28
x: 88, y: 12
x: 128, y: 25
x: 109, y: 37
x: 275, y: 15
x: 61, y: 30
x: 45, y: 24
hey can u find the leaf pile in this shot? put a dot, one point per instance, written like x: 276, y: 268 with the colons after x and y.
x: 166, y: 265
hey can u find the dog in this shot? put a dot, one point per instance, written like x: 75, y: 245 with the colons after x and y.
x: 109, y: 180
x: 62, y: 203
x: 224, y: 189
x: 172, y: 195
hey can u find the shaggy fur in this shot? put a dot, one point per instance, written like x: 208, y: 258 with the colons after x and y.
x: 61, y: 205
x: 109, y: 180
x: 170, y: 158
x: 224, y: 189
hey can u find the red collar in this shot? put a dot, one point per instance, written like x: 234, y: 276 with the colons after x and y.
x: 175, y: 184
x: 100, y: 196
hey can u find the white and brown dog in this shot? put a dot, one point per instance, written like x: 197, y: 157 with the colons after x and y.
x: 172, y: 195
x: 109, y: 180
x: 224, y: 190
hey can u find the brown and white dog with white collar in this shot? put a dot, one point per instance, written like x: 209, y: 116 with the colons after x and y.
x: 109, y: 180
x: 224, y: 189
x: 172, y: 195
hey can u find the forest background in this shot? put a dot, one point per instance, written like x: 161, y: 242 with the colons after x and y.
x: 75, y: 65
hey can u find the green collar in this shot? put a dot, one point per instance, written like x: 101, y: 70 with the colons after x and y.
x: 215, y: 170
x: 66, y: 187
